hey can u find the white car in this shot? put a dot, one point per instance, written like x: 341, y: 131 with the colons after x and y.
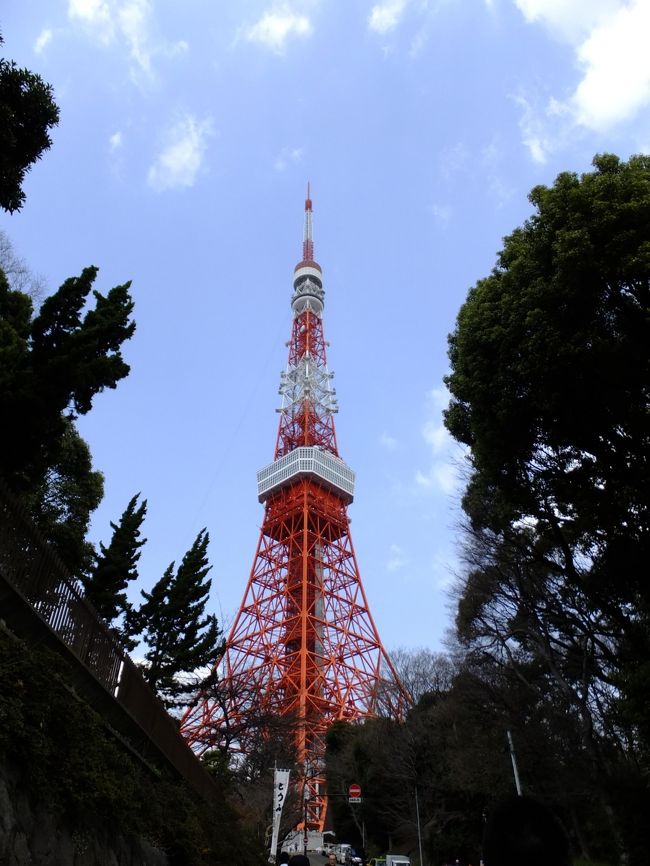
x: 341, y: 852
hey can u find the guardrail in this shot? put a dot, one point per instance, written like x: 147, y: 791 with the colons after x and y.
x: 36, y: 574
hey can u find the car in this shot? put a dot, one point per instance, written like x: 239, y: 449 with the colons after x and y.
x: 341, y: 852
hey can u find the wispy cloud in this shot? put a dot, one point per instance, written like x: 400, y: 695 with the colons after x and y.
x: 388, y: 442
x: 387, y: 15
x: 126, y: 22
x: 95, y: 15
x: 568, y: 19
x: 133, y: 18
x: 43, y: 39
x: 532, y: 130
x: 453, y: 160
x: 491, y: 163
x: 288, y: 156
x: 276, y: 26
x: 181, y: 158
x: 116, y: 140
x: 396, y: 558
x: 442, y: 474
x: 442, y: 214
x: 609, y: 40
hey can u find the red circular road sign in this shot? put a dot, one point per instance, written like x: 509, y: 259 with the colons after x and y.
x: 354, y: 791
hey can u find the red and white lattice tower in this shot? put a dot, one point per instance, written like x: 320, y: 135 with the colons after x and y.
x: 303, y: 644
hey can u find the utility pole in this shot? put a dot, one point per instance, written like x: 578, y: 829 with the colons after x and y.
x: 513, y: 758
x: 417, y: 813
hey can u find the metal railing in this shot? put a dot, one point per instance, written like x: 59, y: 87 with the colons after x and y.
x: 34, y: 571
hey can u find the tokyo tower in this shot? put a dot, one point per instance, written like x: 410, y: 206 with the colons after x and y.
x: 303, y: 645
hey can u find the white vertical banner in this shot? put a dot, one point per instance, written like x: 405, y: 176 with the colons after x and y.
x: 280, y: 791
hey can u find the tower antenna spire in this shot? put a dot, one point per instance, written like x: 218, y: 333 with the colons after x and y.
x: 308, y: 237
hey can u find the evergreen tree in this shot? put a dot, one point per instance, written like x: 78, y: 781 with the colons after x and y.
x: 180, y: 637
x: 550, y: 384
x: 115, y: 568
x: 27, y: 113
x: 68, y: 494
x: 52, y: 365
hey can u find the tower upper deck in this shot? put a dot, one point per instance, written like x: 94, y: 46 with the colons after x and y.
x: 306, y: 444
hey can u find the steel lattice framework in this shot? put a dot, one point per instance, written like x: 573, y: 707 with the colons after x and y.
x: 303, y: 644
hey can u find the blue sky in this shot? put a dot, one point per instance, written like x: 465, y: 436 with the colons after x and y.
x: 188, y: 133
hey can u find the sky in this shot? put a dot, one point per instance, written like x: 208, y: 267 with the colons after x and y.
x: 188, y: 133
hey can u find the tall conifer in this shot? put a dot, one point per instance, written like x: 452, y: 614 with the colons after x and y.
x: 181, y: 638
x: 115, y: 568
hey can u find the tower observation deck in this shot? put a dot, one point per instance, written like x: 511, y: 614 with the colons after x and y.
x: 303, y: 646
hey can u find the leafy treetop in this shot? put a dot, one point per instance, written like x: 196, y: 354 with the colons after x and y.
x: 27, y: 114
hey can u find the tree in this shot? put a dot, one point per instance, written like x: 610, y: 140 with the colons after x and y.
x: 58, y: 362
x: 61, y: 504
x: 182, y: 640
x: 52, y: 365
x: 17, y: 271
x: 27, y: 114
x: 115, y: 567
x: 550, y: 373
x: 421, y: 671
x: 550, y: 388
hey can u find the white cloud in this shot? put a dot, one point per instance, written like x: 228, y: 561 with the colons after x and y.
x: 396, y: 558
x: 387, y: 15
x: 133, y: 19
x: 609, y: 39
x: 616, y: 59
x: 435, y: 435
x: 179, y: 162
x: 286, y: 157
x: 418, y: 42
x: 94, y: 14
x: 180, y: 47
x: 532, y: 130
x: 568, y: 19
x: 116, y: 140
x: 442, y: 214
x: 43, y: 38
x: 129, y: 22
x: 388, y: 442
x: 442, y: 567
x: 276, y: 26
x: 454, y: 160
x: 442, y: 475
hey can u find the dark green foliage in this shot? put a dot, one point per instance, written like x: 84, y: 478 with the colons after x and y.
x: 115, y: 567
x: 69, y: 761
x: 52, y: 365
x: 27, y: 114
x: 181, y: 638
x: 520, y: 830
x: 550, y: 389
x: 550, y: 370
x: 68, y: 494
x: 453, y: 749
